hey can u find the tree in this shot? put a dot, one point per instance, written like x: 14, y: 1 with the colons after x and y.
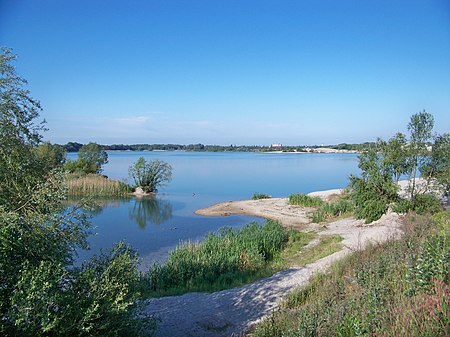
x: 395, y: 153
x: 51, y: 156
x: 420, y: 128
x: 149, y: 175
x: 91, y: 158
x: 41, y: 292
x: 374, y: 190
x: 437, y: 168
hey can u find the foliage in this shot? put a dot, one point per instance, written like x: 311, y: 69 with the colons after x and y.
x: 95, y: 185
x: 395, y: 155
x: 257, y: 196
x: 91, y: 158
x: 50, y: 156
x: 420, y: 128
x: 332, y: 210
x: 375, y: 189
x: 41, y: 293
x: 149, y: 175
x: 423, y: 203
x: 305, y: 200
x: 400, y: 288
x: 220, y: 259
x: 437, y: 168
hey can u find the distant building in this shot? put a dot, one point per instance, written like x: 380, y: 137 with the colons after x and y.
x: 276, y: 145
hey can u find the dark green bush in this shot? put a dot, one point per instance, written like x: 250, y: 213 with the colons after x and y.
x: 422, y: 204
x: 257, y: 196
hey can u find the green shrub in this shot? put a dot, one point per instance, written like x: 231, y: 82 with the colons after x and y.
x: 257, y: 196
x: 305, y: 200
x: 422, y: 204
x: 96, y: 299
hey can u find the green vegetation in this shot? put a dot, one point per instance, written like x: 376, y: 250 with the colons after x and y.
x: 91, y: 158
x: 257, y: 196
x: 75, y: 147
x: 295, y: 254
x: 400, y: 288
x: 226, y: 259
x: 328, y: 211
x: 305, y: 200
x: 149, y: 175
x: 41, y: 292
x: 383, y: 165
x: 95, y: 185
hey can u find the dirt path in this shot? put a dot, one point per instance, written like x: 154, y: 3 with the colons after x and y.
x: 233, y: 311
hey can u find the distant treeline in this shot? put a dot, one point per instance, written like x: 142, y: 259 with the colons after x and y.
x: 75, y: 147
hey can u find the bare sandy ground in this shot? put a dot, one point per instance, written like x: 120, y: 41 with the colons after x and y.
x: 232, y: 312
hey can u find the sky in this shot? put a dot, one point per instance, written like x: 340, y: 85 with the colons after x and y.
x: 242, y: 72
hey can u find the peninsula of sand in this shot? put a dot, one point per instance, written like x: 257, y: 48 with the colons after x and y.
x: 234, y: 311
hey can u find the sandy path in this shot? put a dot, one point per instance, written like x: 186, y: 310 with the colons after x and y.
x: 232, y: 311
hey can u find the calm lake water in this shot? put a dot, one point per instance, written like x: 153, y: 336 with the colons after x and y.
x: 155, y: 226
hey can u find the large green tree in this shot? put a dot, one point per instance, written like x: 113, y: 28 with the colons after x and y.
x: 41, y: 292
x: 149, y: 175
x: 91, y: 158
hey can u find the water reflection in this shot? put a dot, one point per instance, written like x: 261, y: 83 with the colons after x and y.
x: 150, y: 210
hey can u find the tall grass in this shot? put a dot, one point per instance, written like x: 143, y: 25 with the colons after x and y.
x: 332, y: 210
x: 305, y: 200
x: 400, y: 288
x: 220, y: 260
x: 95, y: 185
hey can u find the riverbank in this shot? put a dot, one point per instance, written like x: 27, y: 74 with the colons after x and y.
x: 235, y: 310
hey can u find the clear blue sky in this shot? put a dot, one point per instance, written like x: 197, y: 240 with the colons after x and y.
x: 231, y: 72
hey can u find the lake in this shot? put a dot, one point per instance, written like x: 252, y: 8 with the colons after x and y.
x: 154, y: 226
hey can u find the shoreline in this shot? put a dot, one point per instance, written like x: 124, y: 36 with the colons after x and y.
x: 273, y: 208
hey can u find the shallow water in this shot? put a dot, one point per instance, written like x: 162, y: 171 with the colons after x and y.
x: 153, y: 226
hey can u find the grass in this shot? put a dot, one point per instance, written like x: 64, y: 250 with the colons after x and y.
x: 305, y: 200
x: 257, y: 196
x: 399, y: 288
x: 95, y: 185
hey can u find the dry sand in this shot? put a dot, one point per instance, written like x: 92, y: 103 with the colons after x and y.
x: 234, y: 311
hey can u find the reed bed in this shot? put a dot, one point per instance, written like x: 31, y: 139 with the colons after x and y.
x: 305, y: 200
x: 95, y: 185
x: 399, y: 288
x: 227, y: 258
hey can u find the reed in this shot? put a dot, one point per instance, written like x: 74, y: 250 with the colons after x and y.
x: 95, y: 185
x: 223, y: 259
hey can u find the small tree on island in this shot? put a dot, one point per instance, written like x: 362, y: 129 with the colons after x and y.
x: 149, y: 175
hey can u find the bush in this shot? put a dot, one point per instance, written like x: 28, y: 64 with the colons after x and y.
x: 423, y: 203
x: 96, y: 299
x: 257, y: 196
x: 305, y: 200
